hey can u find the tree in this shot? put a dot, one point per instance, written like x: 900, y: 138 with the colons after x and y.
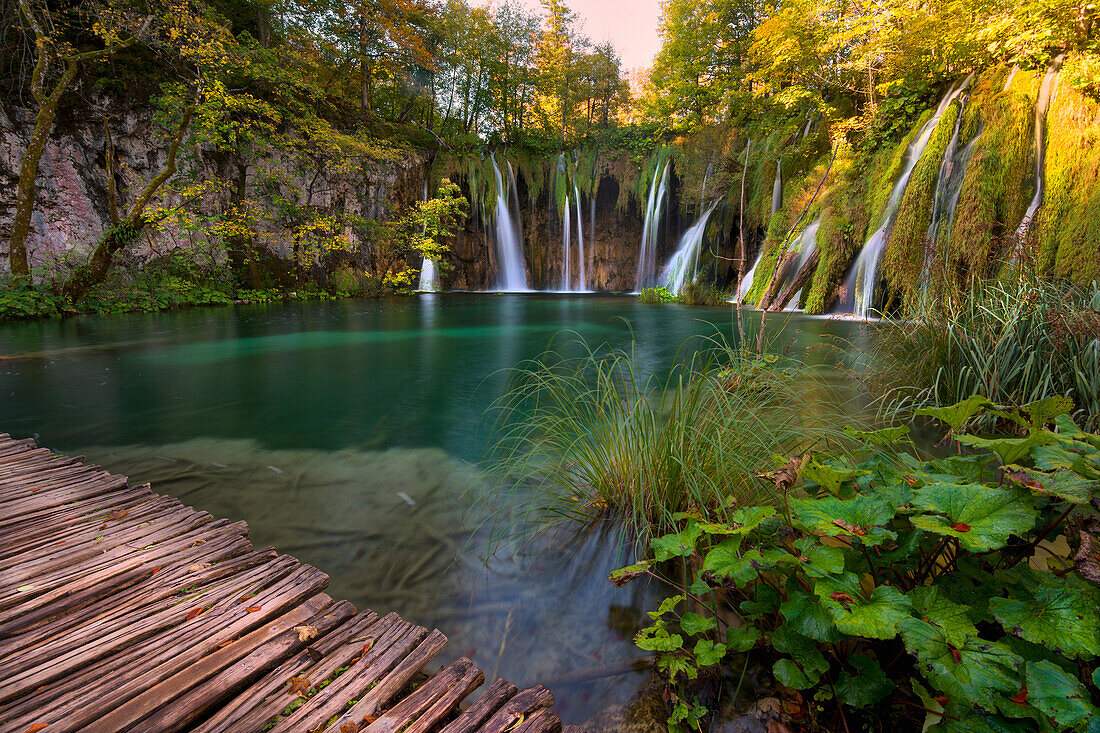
x: 54, y: 47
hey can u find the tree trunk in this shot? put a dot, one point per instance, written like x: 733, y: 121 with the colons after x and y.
x: 801, y: 280
x: 25, y: 191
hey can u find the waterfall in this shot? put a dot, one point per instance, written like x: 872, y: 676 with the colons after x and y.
x: 512, y: 275
x: 1041, y: 105
x: 592, y: 226
x: 777, y: 187
x: 429, y: 282
x: 807, y: 243
x: 680, y: 270
x: 746, y: 281
x: 647, y: 255
x: 583, y: 285
x: 864, y: 275
x: 566, y: 279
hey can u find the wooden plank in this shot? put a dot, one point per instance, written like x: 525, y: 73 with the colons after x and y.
x: 261, y: 702
x: 520, y: 707
x: 542, y: 721
x: 499, y: 693
x: 406, y: 668
x: 433, y: 700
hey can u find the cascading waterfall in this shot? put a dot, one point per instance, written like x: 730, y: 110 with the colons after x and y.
x: 513, y: 274
x: 429, y: 282
x: 583, y: 284
x: 864, y: 276
x: 1041, y: 105
x: 566, y: 255
x: 680, y: 270
x: 807, y: 243
x: 647, y: 255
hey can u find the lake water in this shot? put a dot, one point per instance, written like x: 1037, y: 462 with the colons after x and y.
x: 348, y: 434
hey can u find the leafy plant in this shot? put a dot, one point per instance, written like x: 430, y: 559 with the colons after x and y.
x: 949, y: 586
x: 656, y: 295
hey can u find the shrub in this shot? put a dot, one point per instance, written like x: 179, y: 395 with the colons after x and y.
x: 959, y: 593
x: 658, y: 294
x: 702, y: 293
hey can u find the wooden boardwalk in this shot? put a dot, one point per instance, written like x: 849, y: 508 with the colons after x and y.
x: 124, y: 610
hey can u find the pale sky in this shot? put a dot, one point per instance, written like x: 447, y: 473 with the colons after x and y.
x: 631, y: 25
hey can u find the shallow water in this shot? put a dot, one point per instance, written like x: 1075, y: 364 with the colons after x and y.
x: 347, y: 433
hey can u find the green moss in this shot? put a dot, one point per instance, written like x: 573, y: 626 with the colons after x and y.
x: 1068, y: 231
x: 903, y: 258
x: 999, y: 178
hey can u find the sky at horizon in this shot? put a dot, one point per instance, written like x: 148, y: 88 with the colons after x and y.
x: 631, y: 26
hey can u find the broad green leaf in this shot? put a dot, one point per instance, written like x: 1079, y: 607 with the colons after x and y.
x: 668, y: 604
x: 806, y: 664
x: 1041, y: 412
x: 1061, y: 482
x: 657, y: 639
x: 874, y: 617
x: 742, y: 638
x: 1057, y: 613
x: 1057, y: 694
x: 692, y: 623
x: 805, y: 614
x: 885, y: 437
x: 979, y: 516
x: 957, y: 414
x: 708, y: 652
x: 861, y: 517
x: 1010, y: 450
x: 726, y: 562
x: 982, y: 669
x: 954, y: 619
x: 817, y: 559
x: 867, y: 686
x: 677, y: 544
x: 828, y: 476
x: 678, y: 666
x: 741, y: 521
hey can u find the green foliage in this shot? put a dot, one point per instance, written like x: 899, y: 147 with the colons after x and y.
x: 1017, y: 342
x: 599, y: 438
x: 22, y: 298
x: 656, y: 295
x: 952, y: 598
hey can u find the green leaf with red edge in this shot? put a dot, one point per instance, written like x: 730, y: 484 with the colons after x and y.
x: 860, y: 518
x: 1062, y: 483
x: 976, y: 671
x: 1058, y: 695
x: 876, y: 616
x: 980, y: 517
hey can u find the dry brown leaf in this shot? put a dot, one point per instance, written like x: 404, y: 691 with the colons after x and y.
x: 36, y: 727
x: 119, y: 513
x: 199, y: 566
x: 254, y: 609
x: 194, y: 612
x: 306, y: 632
x: 299, y: 686
x: 349, y: 727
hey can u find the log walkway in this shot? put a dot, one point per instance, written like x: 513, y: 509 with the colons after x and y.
x: 125, y: 610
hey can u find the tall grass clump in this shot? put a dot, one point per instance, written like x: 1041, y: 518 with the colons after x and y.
x: 597, y: 438
x: 1016, y: 341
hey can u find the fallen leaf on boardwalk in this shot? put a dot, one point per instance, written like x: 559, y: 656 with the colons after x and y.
x: 194, y: 612
x: 349, y: 727
x: 253, y: 609
x: 198, y: 566
x: 36, y: 727
x: 516, y: 722
x: 369, y: 719
x: 119, y: 513
x: 26, y: 589
x: 226, y: 643
x: 366, y: 648
x: 306, y: 632
x: 299, y: 686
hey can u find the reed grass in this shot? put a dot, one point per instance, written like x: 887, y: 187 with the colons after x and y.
x: 596, y: 438
x: 1012, y: 341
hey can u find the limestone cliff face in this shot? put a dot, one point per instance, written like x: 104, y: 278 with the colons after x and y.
x: 71, y: 207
